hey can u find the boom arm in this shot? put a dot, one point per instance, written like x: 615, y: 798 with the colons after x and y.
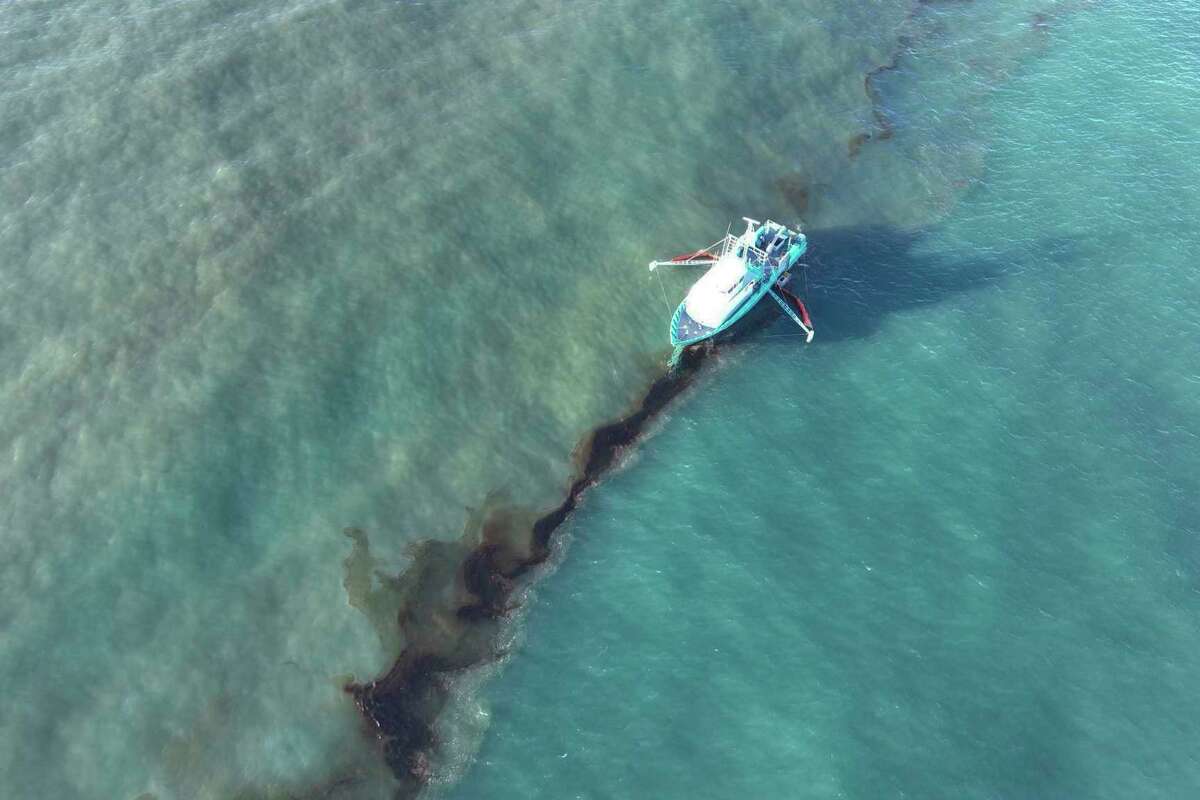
x: 707, y: 256
x: 791, y: 313
x: 688, y: 262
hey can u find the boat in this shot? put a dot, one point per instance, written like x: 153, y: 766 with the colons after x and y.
x: 741, y: 271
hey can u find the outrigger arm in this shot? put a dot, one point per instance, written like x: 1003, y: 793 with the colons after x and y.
x: 705, y: 257
x: 687, y: 262
x: 791, y: 313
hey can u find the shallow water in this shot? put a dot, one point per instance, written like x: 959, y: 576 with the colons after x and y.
x: 271, y: 271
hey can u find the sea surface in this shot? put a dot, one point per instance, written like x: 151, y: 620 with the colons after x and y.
x: 270, y: 271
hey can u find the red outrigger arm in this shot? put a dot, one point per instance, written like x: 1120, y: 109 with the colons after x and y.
x: 799, y: 306
x: 699, y: 255
x: 790, y: 306
x: 697, y: 258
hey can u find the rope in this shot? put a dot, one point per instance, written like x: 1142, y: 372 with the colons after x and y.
x: 666, y: 302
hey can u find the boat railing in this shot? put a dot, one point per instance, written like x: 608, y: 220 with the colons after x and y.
x: 731, y: 243
x: 725, y: 246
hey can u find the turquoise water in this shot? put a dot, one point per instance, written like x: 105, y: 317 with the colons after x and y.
x: 272, y: 270
x: 950, y: 550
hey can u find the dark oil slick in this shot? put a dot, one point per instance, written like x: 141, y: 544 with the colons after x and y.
x: 454, y: 596
x: 449, y: 605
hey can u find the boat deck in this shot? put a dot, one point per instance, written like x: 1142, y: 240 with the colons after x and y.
x: 742, y: 269
x: 690, y: 329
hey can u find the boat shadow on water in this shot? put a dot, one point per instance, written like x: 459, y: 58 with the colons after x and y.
x: 858, y: 277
